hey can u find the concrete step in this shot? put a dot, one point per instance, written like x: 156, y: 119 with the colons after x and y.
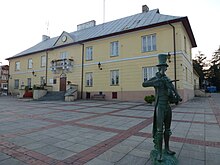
x: 53, y: 96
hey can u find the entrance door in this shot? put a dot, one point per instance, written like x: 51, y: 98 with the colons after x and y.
x: 62, y: 83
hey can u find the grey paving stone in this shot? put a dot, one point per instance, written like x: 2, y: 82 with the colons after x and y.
x: 190, y: 161
x: 21, y: 140
x: 34, y: 145
x: 12, y: 161
x: 77, y: 147
x: 192, y: 154
x: 140, y: 153
x: 48, y: 149
x: 131, y: 160
x: 130, y: 143
x: 3, y: 156
x: 122, y: 149
x: 50, y: 140
x: 111, y: 156
x: 212, y: 159
x: 212, y: 150
x: 63, y: 144
x: 61, y: 154
x: 98, y: 162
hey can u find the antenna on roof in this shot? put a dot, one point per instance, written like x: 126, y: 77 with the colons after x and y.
x: 103, y: 14
x: 103, y: 11
x: 47, y: 28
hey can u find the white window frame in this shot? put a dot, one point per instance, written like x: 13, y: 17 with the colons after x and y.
x: 64, y: 55
x: 16, y: 83
x: 148, y: 43
x: 114, y: 49
x: 30, y: 63
x: 42, y: 80
x: 89, y: 53
x: 29, y: 82
x: 114, y: 77
x: 43, y: 61
x: 89, y: 79
x: 149, y: 72
x: 17, y: 65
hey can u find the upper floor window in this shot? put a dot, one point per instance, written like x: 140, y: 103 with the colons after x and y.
x: 30, y: 63
x: 89, y: 53
x: 114, y: 48
x: 17, y: 65
x: 16, y: 84
x: 114, y: 77
x: 64, y: 55
x: 148, y: 43
x: 149, y: 72
x: 89, y: 79
x: 43, y: 61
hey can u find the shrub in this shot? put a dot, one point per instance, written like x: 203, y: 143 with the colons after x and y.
x: 149, y: 99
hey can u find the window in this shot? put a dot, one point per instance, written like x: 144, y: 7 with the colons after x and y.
x: 29, y: 82
x: 114, y: 49
x: 114, y: 95
x: 149, y: 72
x: 148, y: 43
x: 17, y: 65
x: 63, y: 55
x: 89, y: 53
x: 42, y: 80
x: 43, y: 61
x: 30, y: 63
x: 89, y: 79
x: 16, y: 84
x: 114, y: 77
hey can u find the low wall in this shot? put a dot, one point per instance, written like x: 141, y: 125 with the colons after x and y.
x: 39, y: 93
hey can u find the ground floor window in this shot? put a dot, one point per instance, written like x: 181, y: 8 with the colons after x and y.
x: 149, y: 72
x: 42, y: 80
x: 16, y: 84
x: 114, y: 95
x: 89, y: 79
x: 29, y: 82
x: 114, y: 77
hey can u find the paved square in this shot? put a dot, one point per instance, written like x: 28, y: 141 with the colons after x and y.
x: 104, y: 132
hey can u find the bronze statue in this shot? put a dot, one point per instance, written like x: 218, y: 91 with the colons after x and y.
x: 165, y: 94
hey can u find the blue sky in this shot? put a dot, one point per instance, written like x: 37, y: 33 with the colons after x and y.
x: 24, y: 22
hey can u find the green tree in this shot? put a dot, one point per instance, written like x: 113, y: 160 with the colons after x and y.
x: 214, y: 70
x: 199, y: 64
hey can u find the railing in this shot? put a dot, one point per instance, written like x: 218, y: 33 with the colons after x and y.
x: 61, y: 64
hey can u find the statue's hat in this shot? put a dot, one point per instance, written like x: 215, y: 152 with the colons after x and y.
x: 162, y: 58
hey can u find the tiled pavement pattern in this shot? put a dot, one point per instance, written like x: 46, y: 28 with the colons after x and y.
x: 104, y: 132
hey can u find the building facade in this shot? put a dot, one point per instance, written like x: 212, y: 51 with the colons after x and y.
x: 113, y: 58
x: 4, y: 71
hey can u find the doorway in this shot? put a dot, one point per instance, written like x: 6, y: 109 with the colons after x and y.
x: 62, y: 83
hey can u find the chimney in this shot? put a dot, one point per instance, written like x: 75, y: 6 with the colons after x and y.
x: 45, y: 37
x: 145, y: 8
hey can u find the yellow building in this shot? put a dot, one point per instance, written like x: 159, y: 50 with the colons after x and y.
x: 112, y: 58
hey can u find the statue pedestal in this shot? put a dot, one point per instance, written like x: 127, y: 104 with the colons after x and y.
x: 167, y: 159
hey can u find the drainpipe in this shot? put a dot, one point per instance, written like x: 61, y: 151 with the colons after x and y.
x: 82, y: 71
x: 174, y: 53
x: 46, y: 67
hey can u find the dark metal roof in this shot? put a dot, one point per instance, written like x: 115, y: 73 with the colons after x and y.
x: 135, y: 22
